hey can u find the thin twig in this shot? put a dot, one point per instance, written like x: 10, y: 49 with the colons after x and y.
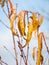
x: 4, y: 62
x: 15, y: 50
x: 7, y: 6
x: 22, y: 53
x: 27, y: 51
x: 28, y: 44
x: 45, y: 44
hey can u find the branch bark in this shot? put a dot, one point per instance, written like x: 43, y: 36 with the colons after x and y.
x: 15, y: 50
x: 22, y: 53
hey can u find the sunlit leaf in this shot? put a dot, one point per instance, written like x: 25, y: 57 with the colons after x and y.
x: 12, y: 23
x: 40, y: 46
x: 12, y: 20
x: 12, y: 16
x: 29, y: 35
x: 21, y: 22
x: 32, y: 27
x: 40, y: 57
x: 35, y: 22
x: 34, y: 53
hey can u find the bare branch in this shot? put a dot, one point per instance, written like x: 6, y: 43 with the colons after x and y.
x: 22, y: 53
x: 15, y: 50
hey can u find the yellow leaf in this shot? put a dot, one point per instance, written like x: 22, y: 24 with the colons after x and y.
x: 21, y: 22
x: 35, y: 21
x: 34, y: 53
x: 29, y: 35
x: 12, y: 16
x: 12, y: 20
x: 40, y: 57
x: 33, y: 27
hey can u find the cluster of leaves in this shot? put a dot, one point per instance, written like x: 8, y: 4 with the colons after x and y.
x: 32, y: 26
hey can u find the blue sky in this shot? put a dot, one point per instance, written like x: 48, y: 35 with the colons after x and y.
x: 41, y: 6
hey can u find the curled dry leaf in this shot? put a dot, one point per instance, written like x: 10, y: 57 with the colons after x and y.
x: 40, y: 57
x: 12, y: 23
x: 34, y: 53
x: 29, y: 35
x: 21, y: 22
x: 33, y: 27
x: 12, y: 17
x: 36, y: 21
